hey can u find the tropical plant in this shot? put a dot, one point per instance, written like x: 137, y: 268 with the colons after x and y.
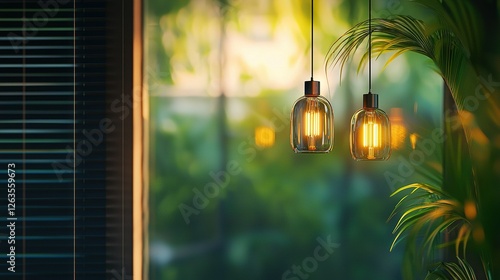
x: 427, y: 211
x: 430, y: 207
x: 463, y: 205
x: 450, y: 270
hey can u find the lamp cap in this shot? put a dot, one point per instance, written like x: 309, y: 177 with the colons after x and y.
x: 311, y: 88
x: 370, y: 100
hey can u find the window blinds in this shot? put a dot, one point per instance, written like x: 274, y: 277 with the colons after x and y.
x: 53, y: 130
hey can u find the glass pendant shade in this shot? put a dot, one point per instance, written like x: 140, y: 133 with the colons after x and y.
x: 311, y: 122
x: 370, y: 131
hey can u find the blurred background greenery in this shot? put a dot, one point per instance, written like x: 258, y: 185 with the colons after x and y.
x: 222, y: 78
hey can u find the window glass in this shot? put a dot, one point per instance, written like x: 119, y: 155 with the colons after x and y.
x: 228, y: 198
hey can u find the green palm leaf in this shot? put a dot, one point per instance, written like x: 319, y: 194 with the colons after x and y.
x: 453, y: 42
x: 430, y: 208
x: 402, y: 34
x: 450, y: 270
x: 461, y: 18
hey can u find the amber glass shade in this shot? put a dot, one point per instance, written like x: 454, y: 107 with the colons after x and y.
x: 370, y: 134
x: 311, y: 125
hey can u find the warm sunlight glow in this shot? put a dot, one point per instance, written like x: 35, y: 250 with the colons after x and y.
x: 398, y: 128
x: 470, y: 210
x: 413, y: 140
x: 478, y: 234
x: 139, y: 148
x: 264, y: 136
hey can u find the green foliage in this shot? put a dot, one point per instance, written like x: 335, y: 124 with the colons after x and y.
x: 427, y: 208
x: 461, y: 19
x: 453, y: 39
x: 271, y: 212
x: 453, y: 271
x: 402, y: 34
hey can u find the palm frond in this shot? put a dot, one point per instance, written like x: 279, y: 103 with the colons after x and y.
x: 430, y: 208
x: 450, y: 270
x: 401, y: 34
x: 461, y: 19
x: 388, y: 35
x: 453, y: 42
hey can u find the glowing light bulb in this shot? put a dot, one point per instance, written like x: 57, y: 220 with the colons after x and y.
x: 313, y: 126
x: 371, y: 137
x: 311, y: 122
x: 370, y: 131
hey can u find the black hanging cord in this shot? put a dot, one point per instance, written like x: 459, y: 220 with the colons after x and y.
x: 369, y: 46
x: 312, y: 39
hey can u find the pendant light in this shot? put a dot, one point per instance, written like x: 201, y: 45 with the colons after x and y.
x: 370, y: 126
x: 311, y: 120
